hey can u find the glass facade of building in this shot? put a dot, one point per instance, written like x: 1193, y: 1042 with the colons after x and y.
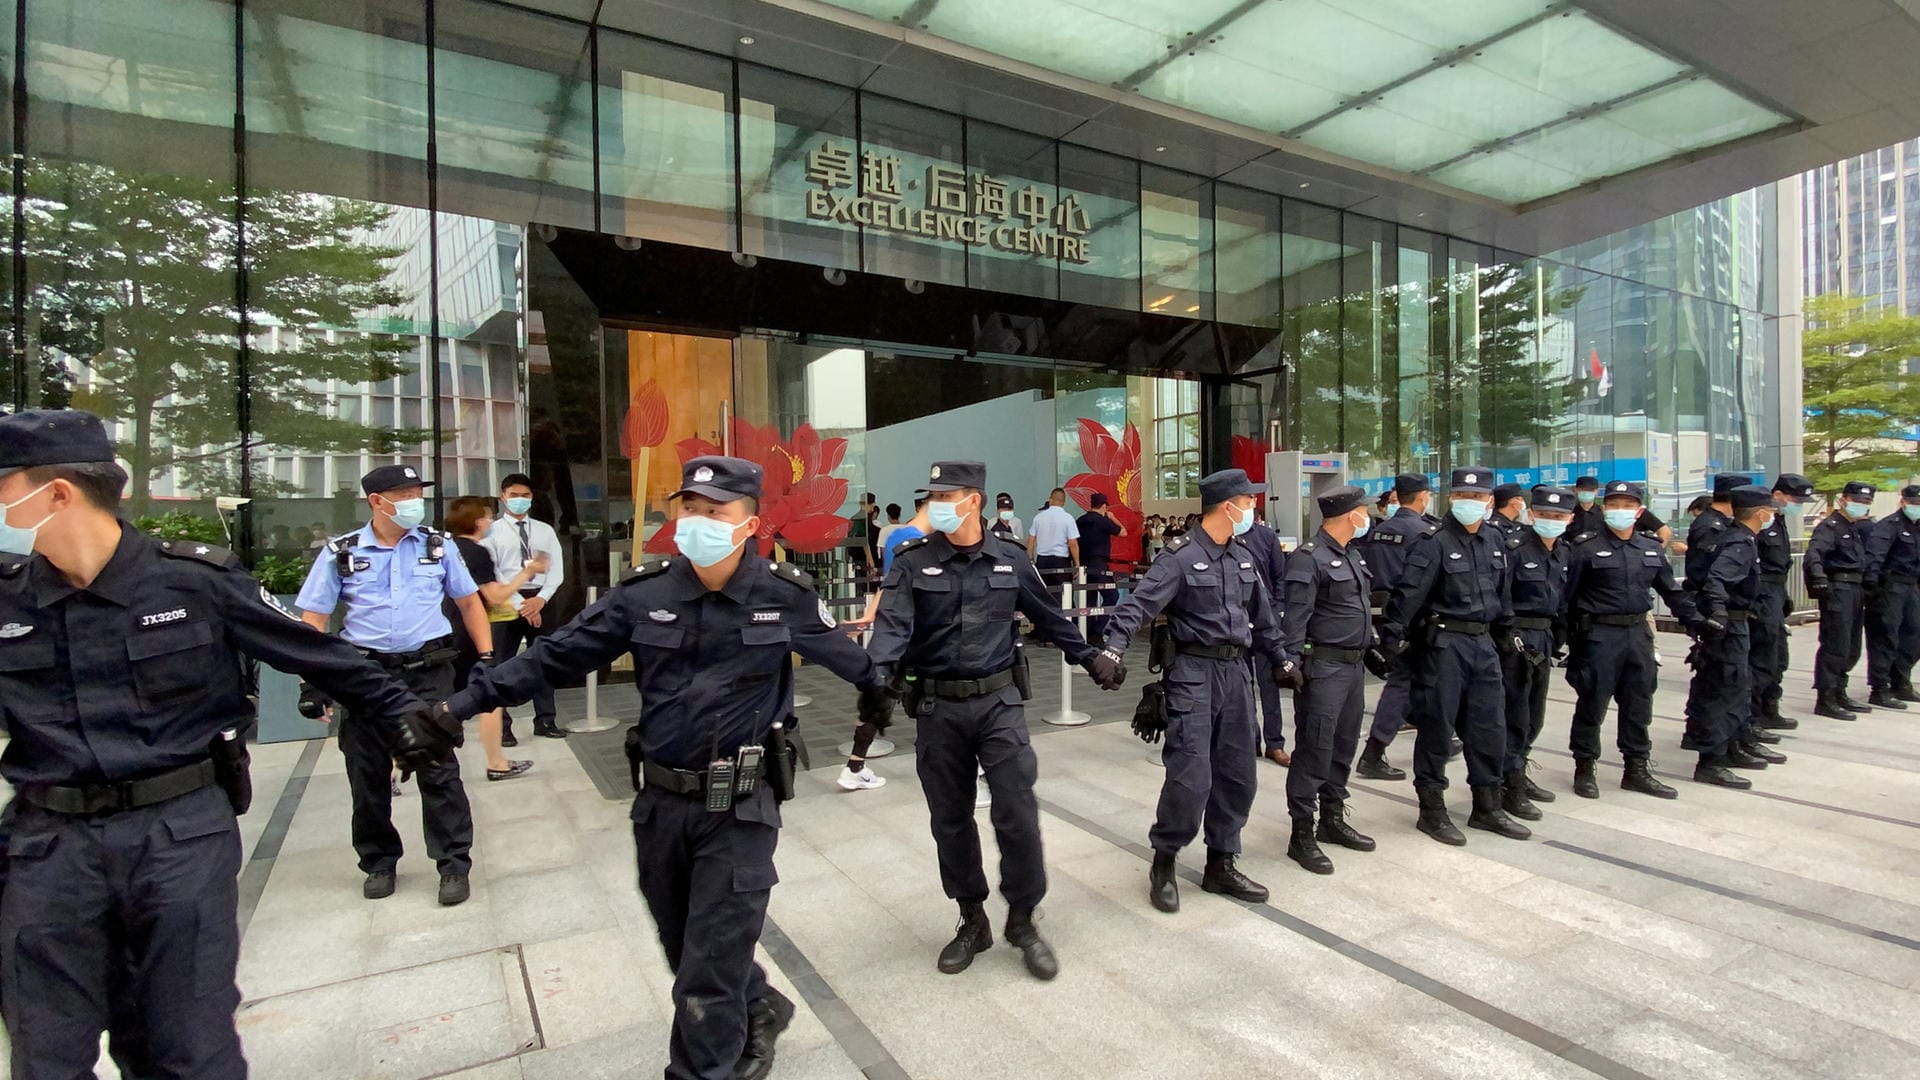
x: 281, y: 242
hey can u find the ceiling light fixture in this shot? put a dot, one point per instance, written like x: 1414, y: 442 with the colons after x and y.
x: 1193, y: 309
x: 1162, y: 302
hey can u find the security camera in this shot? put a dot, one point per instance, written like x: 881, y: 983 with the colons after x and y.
x: 230, y: 503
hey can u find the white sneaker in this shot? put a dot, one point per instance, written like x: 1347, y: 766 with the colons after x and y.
x: 982, y: 796
x: 1658, y: 660
x: 864, y: 780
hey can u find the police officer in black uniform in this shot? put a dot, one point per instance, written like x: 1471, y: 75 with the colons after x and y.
x: 123, y: 686
x: 1768, y: 627
x: 1611, y: 576
x: 1893, y: 603
x: 1327, y: 634
x: 1217, y: 611
x: 1386, y: 551
x: 1701, y: 549
x: 1450, y: 617
x: 1271, y: 562
x: 1509, y: 507
x: 1536, y: 557
x: 945, y: 626
x: 1835, y: 566
x: 1721, y: 694
x: 710, y: 632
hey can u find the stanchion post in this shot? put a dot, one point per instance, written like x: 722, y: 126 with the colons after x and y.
x: 1066, y: 717
x: 592, y: 721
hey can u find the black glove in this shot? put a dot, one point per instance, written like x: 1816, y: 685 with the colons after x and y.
x: 1287, y: 675
x: 1150, y: 716
x: 1711, y: 628
x: 314, y: 702
x: 876, y: 707
x: 1509, y: 643
x: 1382, y: 663
x: 1108, y: 669
x: 1817, y: 590
x: 426, y: 737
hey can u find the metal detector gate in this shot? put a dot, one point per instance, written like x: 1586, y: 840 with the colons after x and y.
x: 1295, y: 479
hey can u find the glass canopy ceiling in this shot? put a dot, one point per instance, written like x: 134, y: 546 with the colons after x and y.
x: 1514, y: 100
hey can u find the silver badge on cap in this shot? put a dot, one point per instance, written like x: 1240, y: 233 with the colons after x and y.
x: 702, y: 475
x: 1553, y: 499
x: 1472, y: 479
x: 411, y: 474
x: 935, y: 475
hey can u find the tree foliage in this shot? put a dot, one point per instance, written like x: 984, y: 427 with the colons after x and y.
x: 1861, y: 393
x: 131, y: 286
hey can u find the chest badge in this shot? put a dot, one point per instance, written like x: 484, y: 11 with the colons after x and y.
x: 662, y: 615
x: 932, y: 571
x: 1335, y: 562
x: 1003, y: 568
x: 162, y: 618
x: 1603, y: 554
x: 1453, y: 554
x: 1531, y: 565
x: 14, y: 630
x: 766, y: 616
x: 1199, y: 566
x: 1246, y: 566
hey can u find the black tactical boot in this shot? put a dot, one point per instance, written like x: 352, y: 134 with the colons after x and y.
x: 1023, y: 935
x: 1639, y: 777
x: 1773, y: 721
x: 1828, y: 704
x: 1886, y: 699
x: 1737, y: 757
x: 1162, y: 888
x: 1584, y: 785
x: 1455, y: 748
x: 973, y: 935
x: 1513, y: 797
x: 1715, y: 771
x: 1335, y: 830
x: 1847, y: 700
x: 1433, y: 816
x: 1759, y: 750
x: 1905, y: 693
x: 1488, y: 815
x: 1534, y: 791
x: 1761, y: 735
x: 1223, y: 877
x: 766, y: 1019
x: 1305, y: 851
x: 1688, y: 742
x: 1373, y: 763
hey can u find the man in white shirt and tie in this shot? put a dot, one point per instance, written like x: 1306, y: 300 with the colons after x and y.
x: 515, y: 539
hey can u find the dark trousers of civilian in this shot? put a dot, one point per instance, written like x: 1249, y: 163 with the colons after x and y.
x: 1208, y: 755
x: 1893, y: 635
x: 445, y: 816
x: 508, y: 638
x: 706, y: 878
x: 1327, y: 720
x: 1525, y: 682
x: 956, y: 738
x: 124, y: 922
x: 1457, y: 689
x: 1612, y: 664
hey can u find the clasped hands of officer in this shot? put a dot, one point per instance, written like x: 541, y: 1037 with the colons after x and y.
x: 427, y: 736
x: 1289, y: 675
x: 1108, y: 668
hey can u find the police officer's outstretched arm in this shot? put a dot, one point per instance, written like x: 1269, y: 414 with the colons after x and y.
x: 590, y: 641
x: 818, y: 641
x: 257, y: 625
x: 1155, y: 591
x: 1266, y: 625
x: 1678, y: 601
x: 893, y: 621
x: 1042, y: 607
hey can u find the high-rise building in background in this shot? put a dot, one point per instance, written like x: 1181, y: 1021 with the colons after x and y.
x: 1861, y: 221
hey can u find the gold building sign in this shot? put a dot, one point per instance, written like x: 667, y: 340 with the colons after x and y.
x: 965, y: 207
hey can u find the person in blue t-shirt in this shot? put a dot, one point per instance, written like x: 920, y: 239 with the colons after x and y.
x: 857, y: 777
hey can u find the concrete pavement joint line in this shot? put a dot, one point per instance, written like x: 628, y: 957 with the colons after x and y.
x: 1798, y: 736
x: 533, y: 1000
x: 1558, y: 1045
x: 1866, y: 814
x: 344, y: 980
x: 856, y: 1040
x: 253, y: 877
x: 1740, y: 894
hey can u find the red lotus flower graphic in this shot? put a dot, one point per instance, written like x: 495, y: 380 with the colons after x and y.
x: 1113, y: 470
x: 799, y: 502
x: 1250, y: 455
x: 646, y: 421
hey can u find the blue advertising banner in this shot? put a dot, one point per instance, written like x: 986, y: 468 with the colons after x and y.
x: 1634, y: 469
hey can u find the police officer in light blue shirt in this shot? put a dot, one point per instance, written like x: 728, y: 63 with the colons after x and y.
x: 392, y: 574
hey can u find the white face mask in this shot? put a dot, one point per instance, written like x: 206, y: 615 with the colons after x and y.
x: 18, y: 540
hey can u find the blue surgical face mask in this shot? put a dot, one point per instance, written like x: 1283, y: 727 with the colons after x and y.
x: 1585, y: 497
x: 13, y: 539
x: 1551, y: 530
x: 1912, y: 512
x: 1242, y: 523
x: 1467, y: 511
x: 1621, y: 519
x: 408, y: 513
x: 1006, y: 515
x: 1856, y: 511
x: 1366, y: 523
x: 947, y: 517
x: 704, y: 540
x: 519, y: 505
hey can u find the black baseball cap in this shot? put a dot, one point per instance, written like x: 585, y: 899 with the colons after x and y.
x: 722, y: 479
x: 1220, y: 486
x: 391, y: 477
x: 1341, y: 500
x: 1587, y: 483
x: 955, y: 476
x: 52, y: 437
x: 1794, y: 486
x: 1407, y: 485
x: 1003, y: 501
x: 1911, y: 491
x: 1506, y: 493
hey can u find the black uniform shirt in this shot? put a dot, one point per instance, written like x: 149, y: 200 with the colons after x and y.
x: 138, y: 672
x: 711, y: 665
x: 1268, y: 559
x: 1451, y: 574
x: 1731, y: 579
x: 1893, y: 548
x: 1326, y: 591
x: 1838, y: 546
x: 947, y: 613
x: 1700, y: 537
x: 1211, y: 593
x: 1776, y: 548
x: 1539, y: 575
x: 1610, y: 576
x: 1386, y: 545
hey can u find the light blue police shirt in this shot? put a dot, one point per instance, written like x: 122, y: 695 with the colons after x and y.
x: 392, y: 594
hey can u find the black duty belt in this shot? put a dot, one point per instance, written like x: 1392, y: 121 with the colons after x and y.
x: 1211, y: 652
x: 689, y: 782
x: 961, y: 689
x: 1845, y: 578
x: 125, y: 795
x: 1460, y: 626
x: 437, y: 651
x: 1739, y: 614
x: 1334, y: 652
x: 1620, y: 620
x: 1899, y: 579
x: 1773, y: 579
x: 1532, y: 622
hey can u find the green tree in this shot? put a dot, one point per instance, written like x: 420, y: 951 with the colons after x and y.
x: 131, y: 291
x: 1861, y: 392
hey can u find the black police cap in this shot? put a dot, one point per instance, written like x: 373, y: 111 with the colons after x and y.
x: 1794, y: 486
x: 1724, y: 483
x: 1911, y: 491
x: 1625, y: 490
x: 1407, y: 485
x: 1748, y: 496
x: 1554, y: 498
x: 1473, y: 479
x: 1223, y: 485
x: 955, y: 476
x: 390, y: 477
x: 1506, y: 493
x: 722, y: 479
x: 52, y: 437
x: 1341, y: 500
x: 1587, y: 483
x: 1859, y: 489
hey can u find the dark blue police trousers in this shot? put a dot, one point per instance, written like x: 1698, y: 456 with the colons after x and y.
x: 1526, y: 696
x: 1458, y: 689
x: 956, y: 737
x: 1612, y: 664
x: 1327, y: 720
x: 1209, y: 754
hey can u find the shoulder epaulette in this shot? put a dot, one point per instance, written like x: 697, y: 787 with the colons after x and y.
x: 909, y: 545
x: 1175, y: 544
x: 1433, y: 526
x: 12, y: 564
x: 646, y: 570
x: 1584, y: 537
x: 1514, y: 540
x: 211, y: 554
x: 1303, y: 548
x: 793, y: 575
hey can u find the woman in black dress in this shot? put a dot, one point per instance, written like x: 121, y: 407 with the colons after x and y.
x: 468, y: 519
